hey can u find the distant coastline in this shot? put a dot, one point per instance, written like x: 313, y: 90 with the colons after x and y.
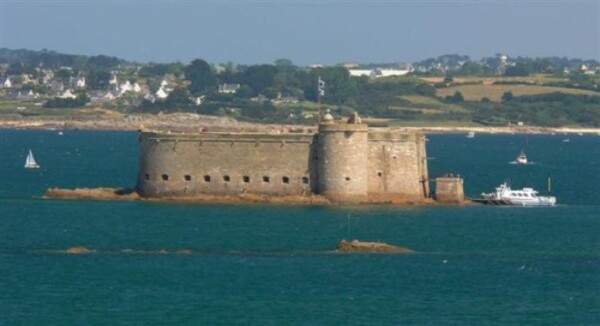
x: 190, y: 122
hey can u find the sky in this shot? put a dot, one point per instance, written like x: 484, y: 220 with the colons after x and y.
x: 305, y: 31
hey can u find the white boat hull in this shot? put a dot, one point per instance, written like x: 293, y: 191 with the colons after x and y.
x: 519, y: 197
x: 543, y: 201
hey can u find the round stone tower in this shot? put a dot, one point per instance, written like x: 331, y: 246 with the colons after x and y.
x: 342, y: 154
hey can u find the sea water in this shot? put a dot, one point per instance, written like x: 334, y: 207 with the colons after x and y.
x: 161, y: 263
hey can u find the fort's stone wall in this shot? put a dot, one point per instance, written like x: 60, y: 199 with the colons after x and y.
x: 397, y: 165
x: 343, y: 162
x: 214, y: 163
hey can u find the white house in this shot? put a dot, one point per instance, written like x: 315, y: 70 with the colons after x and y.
x: 136, y: 87
x: 161, y: 93
x: 80, y: 82
x: 228, y: 88
x: 360, y: 72
x: 379, y: 73
x: 125, y: 87
x: 503, y: 57
x: 32, y: 94
x: 198, y: 100
x: 6, y: 83
x: 113, y: 80
x: 48, y: 76
x: 28, y: 79
x: 67, y: 94
x: 109, y: 96
x: 100, y: 96
x: 77, y: 82
x: 587, y: 70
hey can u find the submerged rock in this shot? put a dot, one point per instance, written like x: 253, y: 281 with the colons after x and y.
x: 361, y: 246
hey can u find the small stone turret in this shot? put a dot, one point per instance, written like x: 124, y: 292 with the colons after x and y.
x: 342, y: 155
x: 449, y: 189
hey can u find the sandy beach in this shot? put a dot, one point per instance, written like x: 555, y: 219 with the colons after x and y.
x: 190, y: 122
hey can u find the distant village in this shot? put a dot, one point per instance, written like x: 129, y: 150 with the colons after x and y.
x: 27, y: 87
x: 125, y: 86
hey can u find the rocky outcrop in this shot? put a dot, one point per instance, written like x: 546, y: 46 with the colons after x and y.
x: 78, y: 250
x: 100, y: 119
x: 371, y: 247
x: 131, y: 194
x: 92, y: 193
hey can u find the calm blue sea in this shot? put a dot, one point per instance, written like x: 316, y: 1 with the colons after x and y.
x: 275, y: 265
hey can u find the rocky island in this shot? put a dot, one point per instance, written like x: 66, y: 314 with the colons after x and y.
x: 356, y: 246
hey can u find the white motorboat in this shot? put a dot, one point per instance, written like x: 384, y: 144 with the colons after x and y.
x: 521, y: 197
x: 471, y: 134
x: 30, y: 162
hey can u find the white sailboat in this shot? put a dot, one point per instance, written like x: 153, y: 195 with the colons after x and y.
x: 522, y: 158
x: 30, y: 162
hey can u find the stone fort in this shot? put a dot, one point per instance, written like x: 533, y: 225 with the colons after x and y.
x: 344, y: 161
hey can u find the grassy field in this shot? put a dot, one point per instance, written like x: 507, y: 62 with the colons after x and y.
x: 432, y: 104
x: 9, y: 108
x: 307, y: 106
x: 379, y: 122
x: 494, y: 92
x: 533, y: 79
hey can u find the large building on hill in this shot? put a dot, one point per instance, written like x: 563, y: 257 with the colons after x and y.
x: 343, y: 161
